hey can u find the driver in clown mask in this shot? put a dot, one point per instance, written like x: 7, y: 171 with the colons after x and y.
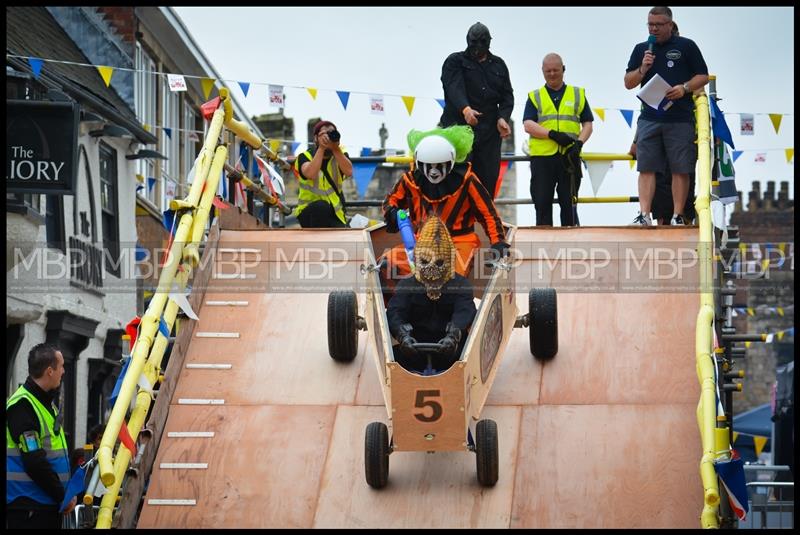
x: 435, y: 305
x: 441, y: 183
x: 477, y: 92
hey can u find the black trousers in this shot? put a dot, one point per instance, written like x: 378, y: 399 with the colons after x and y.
x: 485, y: 158
x: 33, y: 519
x: 548, y: 176
x: 319, y: 214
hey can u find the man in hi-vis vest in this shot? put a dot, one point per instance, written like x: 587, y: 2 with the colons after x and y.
x: 320, y: 202
x: 559, y: 120
x: 37, y: 462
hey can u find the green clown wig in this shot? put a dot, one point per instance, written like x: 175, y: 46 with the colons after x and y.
x: 460, y: 136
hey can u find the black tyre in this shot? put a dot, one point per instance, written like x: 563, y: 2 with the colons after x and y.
x: 342, y: 325
x: 543, y: 327
x: 486, y: 451
x: 376, y: 455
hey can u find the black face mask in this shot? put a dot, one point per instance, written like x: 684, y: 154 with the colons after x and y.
x: 478, y: 47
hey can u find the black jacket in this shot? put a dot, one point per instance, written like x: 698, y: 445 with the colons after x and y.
x: 485, y: 87
x: 20, y: 418
x: 410, y: 304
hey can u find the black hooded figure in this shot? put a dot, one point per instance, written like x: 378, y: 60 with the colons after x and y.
x: 477, y: 92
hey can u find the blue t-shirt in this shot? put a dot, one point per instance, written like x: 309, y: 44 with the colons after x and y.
x: 677, y: 61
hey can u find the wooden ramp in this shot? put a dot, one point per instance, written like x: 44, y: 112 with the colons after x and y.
x: 603, y: 436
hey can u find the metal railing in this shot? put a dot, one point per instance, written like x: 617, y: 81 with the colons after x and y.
x: 771, y: 503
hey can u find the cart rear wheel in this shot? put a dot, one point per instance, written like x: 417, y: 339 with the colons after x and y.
x: 342, y: 325
x: 376, y: 455
x: 486, y: 451
x: 543, y: 328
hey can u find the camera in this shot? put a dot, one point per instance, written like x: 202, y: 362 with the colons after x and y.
x: 334, y: 136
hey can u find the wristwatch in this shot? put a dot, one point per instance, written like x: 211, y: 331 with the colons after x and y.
x: 686, y: 89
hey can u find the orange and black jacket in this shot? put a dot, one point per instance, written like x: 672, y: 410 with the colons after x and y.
x: 458, y: 201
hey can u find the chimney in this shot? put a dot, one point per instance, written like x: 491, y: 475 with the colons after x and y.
x: 769, y: 196
x: 737, y: 206
x: 783, y: 195
x: 754, y: 197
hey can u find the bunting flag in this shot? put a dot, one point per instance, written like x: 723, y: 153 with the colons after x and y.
x: 107, y: 72
x: 208, y: 108
x: 365, y: 151
x: 219, y: 203
x: 275, y: 145
x: 597, y: 172
x: 789, y: 155
x: 142, y: 254
x: 601, y: 112
x: 132, y: 330
x: 736, y: 154
x: 207, y: 84
x: 628, y: 116
x: 75, y: 486
x: 718, y: 124
x: 146, y: 127
x: 313, y: 92
x: 761, y: 157
x: 441, y: 102
x: 362, y: 174
x: 747, y: 124
x: 731, y: 473
x: 121, y: 377
x: 125, y: 438
x: 344, y: 96
x: 169, y: 221
x: 168, y: 131
x: 150, y: 183
x: 295, y: 145
x: 194, y: 137
x: 36, y: 66
x: 245, y: 86
x: 632, y: 163
x: 180, y: 297
x: 376, y: 104
x: 776, y: 120
x: 725, y: 190
x: 277, y: 99
x: 176, y: 82
x: 409, y: 102
x: 497, y: 185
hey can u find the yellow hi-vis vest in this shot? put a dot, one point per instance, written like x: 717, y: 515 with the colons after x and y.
x: 320, y: 189
x: 566, y: 119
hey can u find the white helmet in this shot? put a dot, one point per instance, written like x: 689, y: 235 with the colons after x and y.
x: 435, y: 157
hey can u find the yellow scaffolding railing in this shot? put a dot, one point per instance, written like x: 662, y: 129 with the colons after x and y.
x: 183, y: 256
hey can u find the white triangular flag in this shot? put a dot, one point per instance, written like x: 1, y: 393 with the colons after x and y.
x: 180, y: 298
x: 770, y: 338
x: 597, y: 173
x: 144, y: 384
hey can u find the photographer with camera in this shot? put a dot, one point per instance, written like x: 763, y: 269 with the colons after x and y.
x: 320, y: 200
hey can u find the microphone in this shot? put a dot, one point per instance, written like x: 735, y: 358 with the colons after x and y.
x: 651, y: 40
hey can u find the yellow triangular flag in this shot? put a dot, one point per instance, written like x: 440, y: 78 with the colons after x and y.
x: 312, y: 91
x: 764, y: 264
x: 146, y: 127
x: 632, y: 163
x: 780, y: 311
x: 750, y: 311
x: 776, y: 120
x: 106, y: 73
x: 735, y: 436
x: 207, y: 84
x: 409, y: 102
x: 780, y: 335
x: 789, y: 155
x: 782, y: 247
x: 747, y: 344
x: 601, y: 112
x: 140, y: 178
x: 760, y: 442
x: 274, y: 144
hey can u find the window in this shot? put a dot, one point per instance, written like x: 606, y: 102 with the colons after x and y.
x: 190, y: 138
x: 54, y: 222
x: 170, y: 143
x: 108, y: 205
x: 145, y: 99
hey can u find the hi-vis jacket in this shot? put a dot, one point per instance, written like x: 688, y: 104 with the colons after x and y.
x: 457, y: 210
x: 565, y: 119
x: 320, y: 188
x: 18, y: 482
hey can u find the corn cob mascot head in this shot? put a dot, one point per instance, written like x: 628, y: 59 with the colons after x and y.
x: 434, y: 257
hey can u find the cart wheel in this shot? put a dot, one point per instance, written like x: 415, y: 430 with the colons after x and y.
x: 376, y: 455
x: 486, y: 452
x: 543, y: 328
x: 342, y: 325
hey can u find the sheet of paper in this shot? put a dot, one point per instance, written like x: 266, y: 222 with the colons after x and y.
x: 653, y: 93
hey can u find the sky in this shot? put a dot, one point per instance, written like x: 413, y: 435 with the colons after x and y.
x: 394, y: 51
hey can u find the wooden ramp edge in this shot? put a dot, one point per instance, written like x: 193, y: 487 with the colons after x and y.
x: 260, y: 428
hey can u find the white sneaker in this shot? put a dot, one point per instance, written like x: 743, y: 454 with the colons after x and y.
x: 643, y: 220
x: 677, y: 220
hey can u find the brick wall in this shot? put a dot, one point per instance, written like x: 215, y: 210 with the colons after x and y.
x: 122, y: 19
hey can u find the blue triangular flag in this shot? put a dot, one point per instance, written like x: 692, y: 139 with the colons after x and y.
x: 295, y: 144
x: 719, y: 126
x: 150, y: 183
x: 36, y: 66
x: 344, y: 96
x: 365, y: 151
x: 441, y: 102
x: 168, y: 131
x: 76, y: 485
x: 141, y: 253
x: 245, y: 87
x: 114, y: 393
x: 736, y: 154
x: 244, y: 155
x: 731, y: 473
x: 169, y: 221
x: 139, y: 187
x: 628, y: 115
x: 163, y: 328
x: 362, y: 174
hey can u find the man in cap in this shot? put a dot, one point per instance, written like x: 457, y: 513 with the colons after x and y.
x: 477, y: 92
x: 435, y: 305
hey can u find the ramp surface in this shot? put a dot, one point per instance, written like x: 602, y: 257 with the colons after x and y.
x: 604, y: 435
